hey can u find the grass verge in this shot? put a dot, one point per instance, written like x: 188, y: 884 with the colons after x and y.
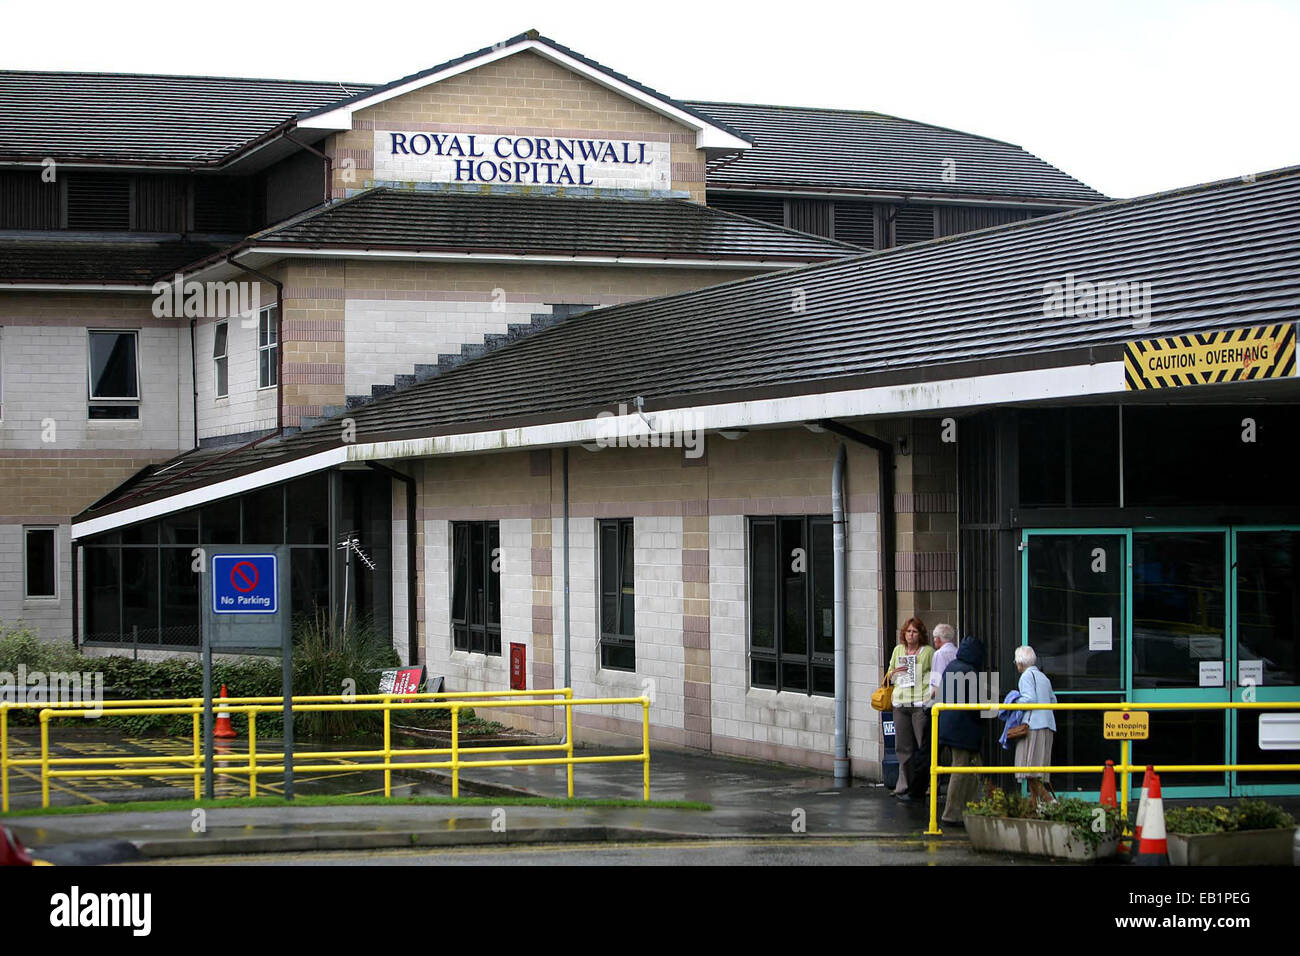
x: 324, y: 800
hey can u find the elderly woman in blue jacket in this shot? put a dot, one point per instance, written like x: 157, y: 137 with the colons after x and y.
x: 1035, y: 748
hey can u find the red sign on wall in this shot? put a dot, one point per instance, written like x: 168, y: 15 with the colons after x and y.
x: 518, y: 667
x: 403, y: 680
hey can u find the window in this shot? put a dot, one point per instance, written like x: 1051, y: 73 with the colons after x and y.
x: 617, y: 596
x: 41, y: 563
x: 792, y: 604
x: 114, y: 375
x: 476, y: 587
x: 268, y: 349
x: 220, y: 361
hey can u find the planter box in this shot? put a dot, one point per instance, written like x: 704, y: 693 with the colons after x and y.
x: 1244, y: 848
x: 1032, y: 838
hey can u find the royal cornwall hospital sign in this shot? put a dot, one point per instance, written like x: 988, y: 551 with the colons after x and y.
x: 492, y: 158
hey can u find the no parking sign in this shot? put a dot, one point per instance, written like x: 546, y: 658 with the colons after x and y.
x: 245, y: 584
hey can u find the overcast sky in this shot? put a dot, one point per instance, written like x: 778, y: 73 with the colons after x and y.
x: 1130, y: 97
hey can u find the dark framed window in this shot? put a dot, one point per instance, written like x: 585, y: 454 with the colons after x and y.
x: 268, y: 349
x: 792, y: 604
x: 617, y: 595
x: 41, y: 562
x: 114, y: 375
x: 476, y: 587
x: 221, y: 360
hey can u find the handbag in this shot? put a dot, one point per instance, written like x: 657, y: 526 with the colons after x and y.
x: 883, y: 698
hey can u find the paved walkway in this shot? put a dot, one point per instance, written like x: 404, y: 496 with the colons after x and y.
x: 751, y: 799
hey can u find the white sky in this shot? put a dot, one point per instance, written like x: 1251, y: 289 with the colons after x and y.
x: 1130, y: 97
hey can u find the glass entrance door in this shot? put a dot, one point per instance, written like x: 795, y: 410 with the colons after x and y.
x: 1180, y: 651
x: 1266, y: 598
x: 1074, y: 592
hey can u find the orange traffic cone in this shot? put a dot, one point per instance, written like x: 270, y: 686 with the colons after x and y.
x: 1153, y: 850
x: 12, y: 851
x: 1108, y: 792
x: 223, y: 720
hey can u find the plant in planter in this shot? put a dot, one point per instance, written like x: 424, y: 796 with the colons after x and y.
x: 1069, y: 828
x: 1253, y: 833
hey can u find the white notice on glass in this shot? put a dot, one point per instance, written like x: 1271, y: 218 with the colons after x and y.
x: 1211, y: 673
x: 1250, y: 673
x: 1099, y: 634
x: 1205, y: 646
x: 908, y: 677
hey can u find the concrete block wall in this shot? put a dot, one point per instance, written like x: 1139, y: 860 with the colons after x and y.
x: 349, y: 324
x: 692, y: 601
x: 247, y: 407
x: 524, y: 94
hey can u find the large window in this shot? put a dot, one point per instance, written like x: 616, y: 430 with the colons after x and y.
x: 476, y: 587
x: 617, y: 596
x: 40, y: 578
x: 268, y: 348
x: 114, y: 375
x: 792, y: 604
x: 220, y: 359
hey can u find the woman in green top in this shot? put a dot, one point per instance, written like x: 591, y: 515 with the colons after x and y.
x: 909, y: 672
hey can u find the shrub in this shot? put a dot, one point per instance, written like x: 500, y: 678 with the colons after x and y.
x: 1089, y: 823
x: 1246, y: 815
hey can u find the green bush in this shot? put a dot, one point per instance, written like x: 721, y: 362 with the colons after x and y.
x: 1246, y: 815
x: 1090, y: 823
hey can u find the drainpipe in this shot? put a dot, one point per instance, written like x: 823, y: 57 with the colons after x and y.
x: 567, y: 659
x: 842, y: 775
x: 194, y: 383
x: 889, y: 599
x: 279, y: 338
x: 412, y: 620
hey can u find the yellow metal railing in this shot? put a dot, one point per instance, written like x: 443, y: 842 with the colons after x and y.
x: 1123, y: 768
x: 252, y: 763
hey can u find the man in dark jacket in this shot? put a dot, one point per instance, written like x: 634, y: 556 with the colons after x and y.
x: 961, y: 729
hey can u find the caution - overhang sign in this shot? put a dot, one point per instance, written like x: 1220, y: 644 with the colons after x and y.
x: 1235, y: 355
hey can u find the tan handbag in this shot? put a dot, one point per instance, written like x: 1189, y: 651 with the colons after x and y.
x: 883, y: 698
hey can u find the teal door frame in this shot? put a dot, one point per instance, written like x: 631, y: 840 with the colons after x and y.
x: 1231, y: 691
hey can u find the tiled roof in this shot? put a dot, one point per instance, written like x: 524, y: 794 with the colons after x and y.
x: 1219, y: 256
x: 546, y: 225
x: 871, y: 152
x: 130, y: 117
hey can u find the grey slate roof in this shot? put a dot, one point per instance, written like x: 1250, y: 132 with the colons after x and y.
x: 1223, y: 255
x: 870, y: 152
x: 546, y: 225
x: 126, y: 117
x: 58, y: 258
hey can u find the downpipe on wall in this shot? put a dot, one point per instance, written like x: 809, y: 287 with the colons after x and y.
x: 843, y: 777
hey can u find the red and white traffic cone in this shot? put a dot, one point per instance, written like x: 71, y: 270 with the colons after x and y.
x: 1129, y: 845
x: 223, y: 728
x: 12, y: 851
x: 1153, y: 850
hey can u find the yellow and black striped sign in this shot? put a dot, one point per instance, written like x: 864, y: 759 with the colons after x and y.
x: 1235, y: 355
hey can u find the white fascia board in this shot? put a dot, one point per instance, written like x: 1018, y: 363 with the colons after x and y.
x: 222, y: 489
x: 708, y: 136
x: 68, y: 287
x: 908, y: 399
x: 524, y: 259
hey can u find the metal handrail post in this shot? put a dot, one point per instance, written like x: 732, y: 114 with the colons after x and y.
x: 388, y: 747
x: 455, y: 751
x: 645, y: 747
x: 4, y: 757
x: 45, y: 759
x: 197, y: 756
x: 568, y: 735
x: 252, y: 753
x: 934, y: 772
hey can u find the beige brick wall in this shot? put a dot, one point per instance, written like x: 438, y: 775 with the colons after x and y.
x: 316, y: 292
x: 524, y: 94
